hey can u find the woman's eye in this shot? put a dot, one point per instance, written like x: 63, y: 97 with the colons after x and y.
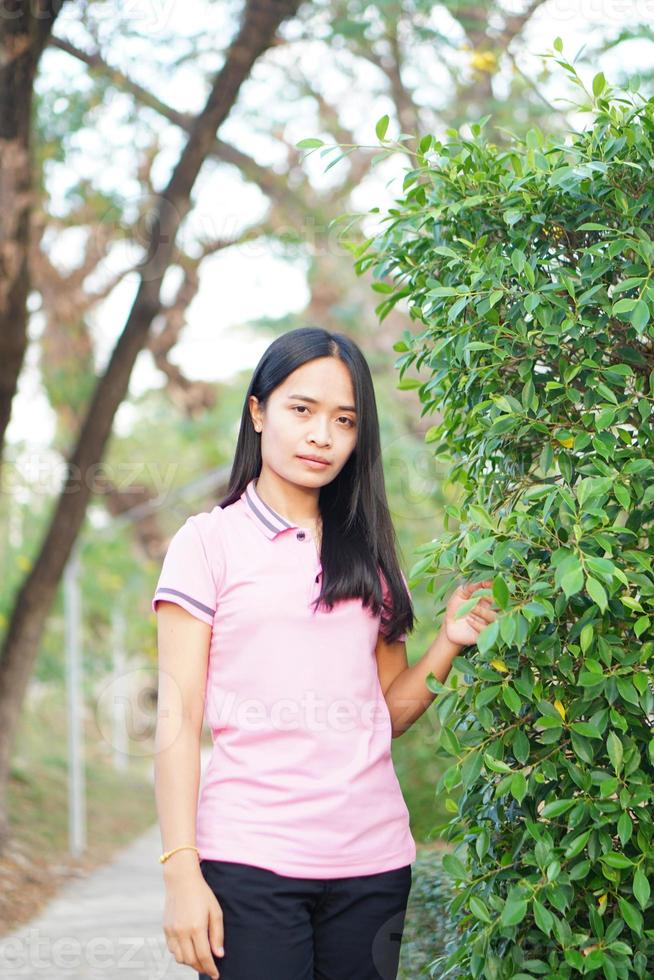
x: 342, y: 418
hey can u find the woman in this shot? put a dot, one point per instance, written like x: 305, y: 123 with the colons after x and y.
x: 282, y: 616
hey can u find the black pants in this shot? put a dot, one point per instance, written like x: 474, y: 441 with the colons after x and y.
x: 277, y: 927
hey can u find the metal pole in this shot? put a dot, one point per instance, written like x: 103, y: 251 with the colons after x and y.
x: 74, y: 707
x: 118, y: 714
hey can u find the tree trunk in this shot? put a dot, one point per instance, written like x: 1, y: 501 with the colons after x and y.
x: 35, y: 597
x: 25, y: 28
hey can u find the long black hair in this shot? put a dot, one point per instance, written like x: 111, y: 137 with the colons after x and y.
x: 358, y: 536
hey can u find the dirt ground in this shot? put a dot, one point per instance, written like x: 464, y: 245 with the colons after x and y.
x: 30, y: 880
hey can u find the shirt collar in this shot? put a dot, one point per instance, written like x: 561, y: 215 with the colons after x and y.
x: 267, y: 519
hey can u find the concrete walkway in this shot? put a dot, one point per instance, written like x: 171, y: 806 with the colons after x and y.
x: 107, y: 926
x: 104, y: 927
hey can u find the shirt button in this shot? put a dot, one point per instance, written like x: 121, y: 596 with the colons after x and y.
x: 300, y: 535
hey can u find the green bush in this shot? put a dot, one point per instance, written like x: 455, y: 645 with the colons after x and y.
x: 527, y: 271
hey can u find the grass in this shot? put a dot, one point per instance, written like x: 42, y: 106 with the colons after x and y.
x: 119, y: 806
x: 119, y: 803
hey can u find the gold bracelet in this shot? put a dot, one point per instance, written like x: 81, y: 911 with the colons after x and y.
x: 167, y: 854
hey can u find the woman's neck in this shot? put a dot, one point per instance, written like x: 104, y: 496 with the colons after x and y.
x: 299, y: 505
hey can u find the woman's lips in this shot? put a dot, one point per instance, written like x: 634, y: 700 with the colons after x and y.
x: 314, y: 463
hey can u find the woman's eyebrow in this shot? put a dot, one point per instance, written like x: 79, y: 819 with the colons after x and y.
x: 341, y: 408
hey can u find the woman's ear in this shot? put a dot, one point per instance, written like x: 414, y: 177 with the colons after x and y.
x: 255, y: 412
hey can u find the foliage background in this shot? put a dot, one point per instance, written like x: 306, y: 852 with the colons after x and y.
x: 528, y: 274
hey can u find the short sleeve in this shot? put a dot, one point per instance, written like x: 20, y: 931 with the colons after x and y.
x: 186, y: 575
x: 386, y: 598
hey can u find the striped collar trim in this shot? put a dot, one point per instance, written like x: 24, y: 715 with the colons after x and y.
x: 267, y: 519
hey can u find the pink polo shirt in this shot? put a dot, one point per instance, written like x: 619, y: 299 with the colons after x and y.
x: 301, y: 779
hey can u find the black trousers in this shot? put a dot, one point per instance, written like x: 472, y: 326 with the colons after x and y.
x: 278, y: 927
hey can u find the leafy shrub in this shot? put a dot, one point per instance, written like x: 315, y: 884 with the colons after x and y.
x: 527, y: 271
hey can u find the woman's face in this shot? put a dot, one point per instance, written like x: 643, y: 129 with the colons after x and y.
x: 311, y: 413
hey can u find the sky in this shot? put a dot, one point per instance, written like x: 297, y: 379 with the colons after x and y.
x: 249, y: 281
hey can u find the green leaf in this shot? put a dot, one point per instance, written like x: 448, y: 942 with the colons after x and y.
x: 641, y: 888
x: 381, y: 127
x: 588, y: 679
x: 586, y: 637
x: 597, y: 592
x: 594, y: 226
x: 599, y: 84
x: 309, y: 143
x: 519, y: 787
x: 631, y: 915
x: 454, y: 866
x: 602, y: 567
x: 627, y: 690
x: 511, y: 699
x: 573, y: 580
x: 513, y: 912
x: 556, y: 808
x: 518, y: 260
x: 478, y: 909
x: 487, y: 637
x: 625, y: 828
x: 487, y: 695
x: 581, y: 747
x: 521, y: 746
x: 543, y: 917
x: 495, y: 765
x: 616, y: 860
x: 471, y: 768
x: 585, y: 728
x: 577, y: 844
x: 500, y: 592
x: 640, y: 315
x: 616, y: 752
x: 482, y: 844
x: 606, y: 392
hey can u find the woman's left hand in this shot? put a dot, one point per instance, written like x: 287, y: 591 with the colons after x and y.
x: 465, y: 630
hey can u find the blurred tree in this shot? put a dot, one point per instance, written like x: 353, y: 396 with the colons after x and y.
x: 261, y: 19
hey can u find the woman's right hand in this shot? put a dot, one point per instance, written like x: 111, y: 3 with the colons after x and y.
x: 193, y: 921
